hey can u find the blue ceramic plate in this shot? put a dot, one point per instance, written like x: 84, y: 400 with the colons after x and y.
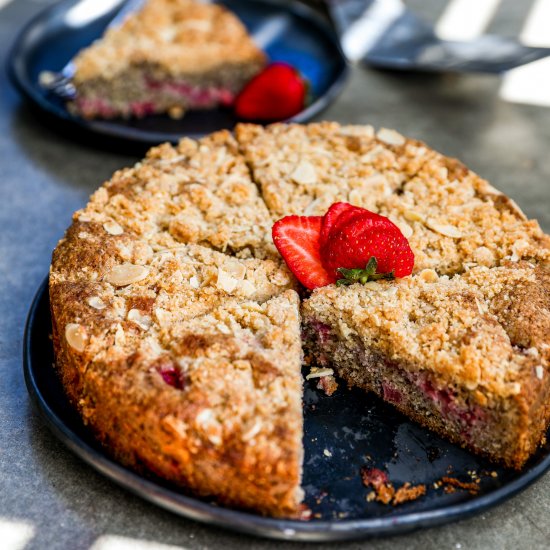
x: 342, y: 433
x: 288, y: 32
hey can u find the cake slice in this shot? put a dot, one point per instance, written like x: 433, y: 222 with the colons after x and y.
x: 303, y: 169
x: 170, y: 56
x: 196, y: 192
x: 465, y: 356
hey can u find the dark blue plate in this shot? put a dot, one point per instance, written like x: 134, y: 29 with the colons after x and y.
x: 342, y: 433
x: 288, y: 32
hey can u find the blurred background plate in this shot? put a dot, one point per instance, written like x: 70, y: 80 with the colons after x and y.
x: 342, y: 434
x: 287, y: 31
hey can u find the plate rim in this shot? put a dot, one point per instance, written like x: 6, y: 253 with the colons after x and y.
x: 242, y: 521
x: 143, y: 137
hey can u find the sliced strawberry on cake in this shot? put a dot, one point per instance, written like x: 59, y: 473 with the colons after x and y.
x: 171, y: 56
x: 346, y: 245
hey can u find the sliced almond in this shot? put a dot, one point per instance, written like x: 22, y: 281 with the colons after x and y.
x: 76, y: 336
x: 372, y: 154
x: 493, y: 190
x: 482, y: 308
x: 366, y: 131
x: 194, y: 282
x: 163, y: 317
x: 247, y: 288
x: 539, y: 371
x: 251, y: 432
x: 126, y: 274
x: 390, y: 137
x: 515, y: 208
x: 319, y: 373
x: 304, y: 173
x: 113, y: 228
x: 404, y: 227
x: 413, y: 216
x: 444, y: 229
x: 235, y: 269
x: 142, y: 321
x: 373, y: 285
x: 120, y: 336
x: 96, y: 302
x: 428, y: 276
x: 226, y: 282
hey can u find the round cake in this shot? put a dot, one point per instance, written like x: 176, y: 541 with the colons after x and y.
x: 177, y: 328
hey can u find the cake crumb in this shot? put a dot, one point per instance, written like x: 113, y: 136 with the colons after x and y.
x: 451, y: 484
x: 305, y: 513
x: 385, y: 492
x: 408, y: 492
x: 328, y: 384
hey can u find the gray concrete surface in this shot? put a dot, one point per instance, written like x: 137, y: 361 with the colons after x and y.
x: 57, y: 500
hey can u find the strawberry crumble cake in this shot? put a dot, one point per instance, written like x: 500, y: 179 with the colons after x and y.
x: 170, y: 56
x: 178, y: 327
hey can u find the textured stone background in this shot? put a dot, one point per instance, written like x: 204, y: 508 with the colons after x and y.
x: 62, y: 503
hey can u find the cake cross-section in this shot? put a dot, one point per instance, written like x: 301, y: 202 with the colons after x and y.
x: 465, y: 356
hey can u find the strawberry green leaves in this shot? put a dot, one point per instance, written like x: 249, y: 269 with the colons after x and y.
x: 362, y: 276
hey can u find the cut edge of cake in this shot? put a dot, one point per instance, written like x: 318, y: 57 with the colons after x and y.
x: 464, y: 356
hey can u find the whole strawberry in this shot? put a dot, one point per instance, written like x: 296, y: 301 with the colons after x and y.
x: 277, y: 93
x: 362, y: 245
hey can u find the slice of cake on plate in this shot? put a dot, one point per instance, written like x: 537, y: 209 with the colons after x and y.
x: 170, y: 56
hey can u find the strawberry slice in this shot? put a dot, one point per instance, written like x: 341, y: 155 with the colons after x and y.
x: 297, y: 238
x: 336, y: 216
x: 277, y: 93
x: 352, y: 244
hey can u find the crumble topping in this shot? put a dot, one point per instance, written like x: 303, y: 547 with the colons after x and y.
x: 177, y: 36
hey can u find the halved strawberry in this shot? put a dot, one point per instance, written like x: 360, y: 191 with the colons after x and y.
x: 297, y: 239
x: 277, y: 93
x: 352, y: 244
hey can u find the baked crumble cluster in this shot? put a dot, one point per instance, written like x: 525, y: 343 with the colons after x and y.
x: 170, y: 56
x: 177, y: 327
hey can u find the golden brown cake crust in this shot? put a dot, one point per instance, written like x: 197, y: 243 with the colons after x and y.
x: 176, y: 324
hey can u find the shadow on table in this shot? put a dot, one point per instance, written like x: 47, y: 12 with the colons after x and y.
x: 70, y: 158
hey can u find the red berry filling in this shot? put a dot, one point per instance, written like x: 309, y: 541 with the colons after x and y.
x: 173, y: 376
